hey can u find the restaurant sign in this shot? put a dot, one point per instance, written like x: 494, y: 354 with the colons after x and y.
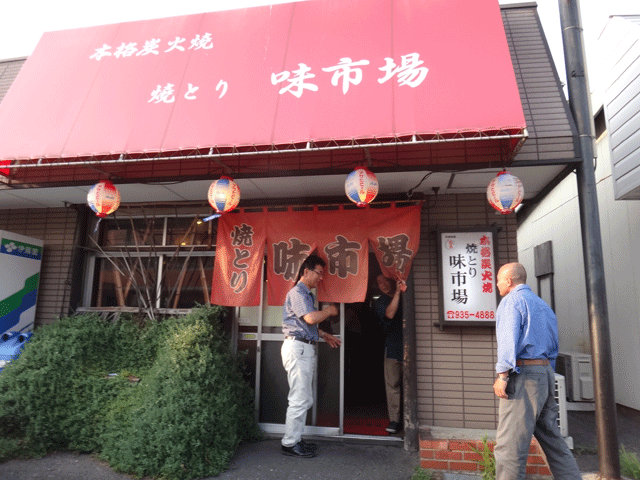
x: 467, y: 277
x: 322, y: 71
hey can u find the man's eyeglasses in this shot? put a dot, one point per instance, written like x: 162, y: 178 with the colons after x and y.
x: 320, y: 274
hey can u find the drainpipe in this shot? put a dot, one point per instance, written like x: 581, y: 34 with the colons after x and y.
x: 579, y: 102
x: 409, y: 369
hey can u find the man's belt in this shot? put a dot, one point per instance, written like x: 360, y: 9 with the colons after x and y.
x: 532, y: 361
x: 303, y: 340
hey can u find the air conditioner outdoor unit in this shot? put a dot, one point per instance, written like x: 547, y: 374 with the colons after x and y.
x: 561, y: 400
x: 578, y: 373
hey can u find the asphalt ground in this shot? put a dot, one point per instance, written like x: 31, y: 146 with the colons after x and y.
x: 336, y: 460
x: 257, y: 461
x: 582, y: 428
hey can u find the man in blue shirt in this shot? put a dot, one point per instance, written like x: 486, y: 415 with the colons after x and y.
x: 527, y: 334
x: 300, y: 321
x: 388, y: 308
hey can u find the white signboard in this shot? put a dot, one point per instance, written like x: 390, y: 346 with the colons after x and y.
x: 468, y: 276
x: 20, y: 261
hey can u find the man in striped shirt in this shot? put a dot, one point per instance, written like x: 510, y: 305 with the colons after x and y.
x: 300, y: 327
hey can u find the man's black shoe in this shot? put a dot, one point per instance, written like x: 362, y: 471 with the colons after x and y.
x: 298, y: 450
x: 309, y: 446
x: 393, y: 428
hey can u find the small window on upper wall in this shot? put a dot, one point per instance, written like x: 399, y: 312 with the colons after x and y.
x: 600, y: 123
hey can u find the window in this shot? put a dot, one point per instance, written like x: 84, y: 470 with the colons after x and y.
x: 600, y: 124
x: 543, y: 263
x: 159, y: 261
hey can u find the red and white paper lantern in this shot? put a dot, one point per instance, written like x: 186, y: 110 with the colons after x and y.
x: 224, y: 195
x: 505, y: 192
x: 103, y: 198
x: 361, y: 186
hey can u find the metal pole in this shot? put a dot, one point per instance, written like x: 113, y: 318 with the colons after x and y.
x: 409, y: 369
x: 579, y: 102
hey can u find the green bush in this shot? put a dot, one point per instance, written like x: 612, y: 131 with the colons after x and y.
x: 184, y: 419
x: 629, y: 464
x: 191, y: 412
x: 55, y: 392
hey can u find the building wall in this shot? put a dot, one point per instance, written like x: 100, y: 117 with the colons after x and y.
x: 56, y: 227
x: 619, y: 47
x: 456, y: 367
x: 557, y: 219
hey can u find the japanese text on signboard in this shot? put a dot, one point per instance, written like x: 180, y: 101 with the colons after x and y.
x: 410, y: 72
x: 241, y: 240
x: 468, y: 276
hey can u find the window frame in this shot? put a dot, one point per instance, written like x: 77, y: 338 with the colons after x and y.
x: 163, y: 253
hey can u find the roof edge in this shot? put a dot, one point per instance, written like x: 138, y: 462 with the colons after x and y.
x: 4, y: 60
x: 519, y: 5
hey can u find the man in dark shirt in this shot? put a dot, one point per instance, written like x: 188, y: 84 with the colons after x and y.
x: 389, y: 310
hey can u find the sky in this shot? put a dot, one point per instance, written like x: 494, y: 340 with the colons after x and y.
x: 22, y: 23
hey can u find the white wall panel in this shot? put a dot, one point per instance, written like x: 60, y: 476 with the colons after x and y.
x: 620, y: 52
x: 556, y: 218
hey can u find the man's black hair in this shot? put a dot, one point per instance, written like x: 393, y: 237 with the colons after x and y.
x: 310, y: 263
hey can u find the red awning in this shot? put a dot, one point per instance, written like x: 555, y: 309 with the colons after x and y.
x: 308, y: 76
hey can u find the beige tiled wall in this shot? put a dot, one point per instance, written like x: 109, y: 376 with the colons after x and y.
x: 455, y: 365
x: 56, y: 227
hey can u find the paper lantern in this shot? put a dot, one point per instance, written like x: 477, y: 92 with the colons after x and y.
x: 361, y: 186
x: 505, y: 192
x: 103, y: 198
x: 224, y: 195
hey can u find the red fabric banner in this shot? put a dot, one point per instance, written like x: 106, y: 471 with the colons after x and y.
x: 291, y: 237
x: 237, y: 272
x: 342, y: 237
x: 342, y: 243
x: 394, y: 235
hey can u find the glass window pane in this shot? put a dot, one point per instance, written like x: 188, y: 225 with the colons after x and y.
x: 187, y: 231
x: 248, y: 316
x: 273, y: 385
x: 116, y: 287
x: 131, y: 232
x: 186, y: 281
x: 271, y: 319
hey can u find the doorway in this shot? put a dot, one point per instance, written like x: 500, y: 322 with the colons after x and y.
x: 349, y: 391
x: 365, y: 406
x: 365, y: 411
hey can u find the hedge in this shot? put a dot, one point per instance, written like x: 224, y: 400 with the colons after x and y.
x: 168, y: 399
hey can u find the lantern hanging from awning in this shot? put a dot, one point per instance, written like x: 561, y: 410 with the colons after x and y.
x: 224, y: 195
x: 361, y: 186
x: 505, y: 192
x: 103, y: 198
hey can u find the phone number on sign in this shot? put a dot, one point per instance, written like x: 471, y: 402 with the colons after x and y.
x: 465, y: 314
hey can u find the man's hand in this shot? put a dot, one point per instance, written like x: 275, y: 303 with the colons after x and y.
x: 332, y: 310
x: 333, y: 342
x: 401, y: 286
x: 500, y: 387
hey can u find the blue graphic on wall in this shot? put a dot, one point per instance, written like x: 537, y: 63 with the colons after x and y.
x: 20, y: 249
x: 15, y: 305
